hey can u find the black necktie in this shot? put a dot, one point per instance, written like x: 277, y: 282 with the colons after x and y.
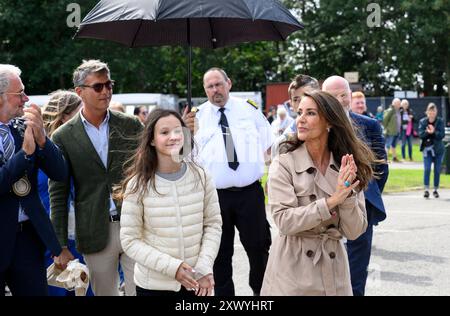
x: 233, y: 162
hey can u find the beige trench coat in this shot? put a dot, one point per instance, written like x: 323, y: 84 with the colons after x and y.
x: 308, y: 256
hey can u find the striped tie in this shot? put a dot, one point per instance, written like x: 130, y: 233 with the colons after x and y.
x: 7, y: 142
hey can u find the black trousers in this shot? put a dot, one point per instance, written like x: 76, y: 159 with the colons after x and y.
x: 26, y: 275
x: 359, y: 251
x: 244, y: 209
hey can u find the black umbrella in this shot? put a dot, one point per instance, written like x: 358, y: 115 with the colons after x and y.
x: 199, y: 23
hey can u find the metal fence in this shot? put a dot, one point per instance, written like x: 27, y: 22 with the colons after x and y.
x: 418, y: 105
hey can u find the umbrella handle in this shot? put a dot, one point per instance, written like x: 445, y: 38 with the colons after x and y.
x: 189, y: 70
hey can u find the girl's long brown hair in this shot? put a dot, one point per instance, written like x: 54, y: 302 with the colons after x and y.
x: 342, y: 138
x: 143, y: 164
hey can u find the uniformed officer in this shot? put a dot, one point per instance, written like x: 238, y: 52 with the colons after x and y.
x: 234, y: 139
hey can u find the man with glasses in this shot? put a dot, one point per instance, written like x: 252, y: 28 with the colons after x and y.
x: 141, y: 112
x: 25, y: 229
x: 96, y: 143
x: 233, y: 138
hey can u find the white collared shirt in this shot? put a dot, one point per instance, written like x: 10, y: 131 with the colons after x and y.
x: 22, y: 216
x: 252, y: 136
x: 100, y: 140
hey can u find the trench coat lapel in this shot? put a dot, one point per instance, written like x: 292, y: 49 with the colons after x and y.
x: 328, y: 182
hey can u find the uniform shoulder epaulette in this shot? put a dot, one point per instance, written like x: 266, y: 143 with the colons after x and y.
x: 252, y: 103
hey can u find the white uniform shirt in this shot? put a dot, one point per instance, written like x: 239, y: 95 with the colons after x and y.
x: 252, y: 136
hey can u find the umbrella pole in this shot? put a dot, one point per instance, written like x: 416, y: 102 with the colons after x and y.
x: 189, y: 84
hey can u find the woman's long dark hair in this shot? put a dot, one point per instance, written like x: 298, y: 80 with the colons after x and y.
x: 143, y: 164
x: 342, y: 138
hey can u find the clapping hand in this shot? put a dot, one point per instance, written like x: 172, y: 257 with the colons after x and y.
x: 430, y: 129
x: 346, y: 181
x: 33, y: 119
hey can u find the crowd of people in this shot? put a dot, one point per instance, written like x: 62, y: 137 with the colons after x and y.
x: 398, y: 123
x: 153, y: 200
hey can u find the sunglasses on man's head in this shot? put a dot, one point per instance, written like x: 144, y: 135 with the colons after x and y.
x: 98, y: 87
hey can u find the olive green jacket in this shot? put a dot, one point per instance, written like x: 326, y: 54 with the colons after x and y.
x: 390, y: 122
x: 92, y: 182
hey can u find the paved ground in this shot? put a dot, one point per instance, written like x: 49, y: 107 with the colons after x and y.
x: 410, y: 255
x: 406, y: 165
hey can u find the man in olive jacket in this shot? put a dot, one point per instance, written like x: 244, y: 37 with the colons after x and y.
x: 96, y: 144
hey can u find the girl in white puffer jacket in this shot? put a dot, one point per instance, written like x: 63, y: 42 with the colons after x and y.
x: 170, y: 221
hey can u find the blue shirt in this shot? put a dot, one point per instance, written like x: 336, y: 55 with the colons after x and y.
x: 100, y: 140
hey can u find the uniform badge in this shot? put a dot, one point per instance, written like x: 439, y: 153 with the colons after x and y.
x: 22, y: 187
x: 253, y: 103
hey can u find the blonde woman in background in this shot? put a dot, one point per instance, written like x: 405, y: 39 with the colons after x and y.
x: 61, y: 107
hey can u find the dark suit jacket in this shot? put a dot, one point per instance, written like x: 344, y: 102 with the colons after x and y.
x: 437, y: 137
x: 51, y: 161
x: 370, y: 131
x: 92, y: 182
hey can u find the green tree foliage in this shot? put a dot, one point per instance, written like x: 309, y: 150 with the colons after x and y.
x: 409, y: 51
x: 35, y: 36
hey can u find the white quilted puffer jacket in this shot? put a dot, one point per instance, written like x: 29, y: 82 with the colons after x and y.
x: 181, y: 224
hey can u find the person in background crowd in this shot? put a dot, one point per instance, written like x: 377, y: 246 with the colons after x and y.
x: 61, y: 107
x: 96, y: 143
x: 296, y: 90
x: 272, y: 114
x: 431, y: 132
x: 316, y: 198
x: 282, y: 121
x: 369, y: 131
x: 379, y: 115
x: 358, y: 104
x: 117, y: 106
x: 171, y: 224
x: 407, y: 128
x: 25, y: 228
x: 234, y: 140
x: 392, y: 126
x: 141, y: 112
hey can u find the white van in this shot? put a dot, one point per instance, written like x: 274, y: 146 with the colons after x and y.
x: 129, y: 100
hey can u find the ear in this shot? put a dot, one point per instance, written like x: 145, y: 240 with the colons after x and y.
x: 78, y: 91
x: 230, y: 84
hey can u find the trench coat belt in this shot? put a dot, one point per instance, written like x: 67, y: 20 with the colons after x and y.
x: 327, y: 265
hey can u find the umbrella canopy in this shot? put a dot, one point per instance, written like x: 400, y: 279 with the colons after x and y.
x: 199, y: 23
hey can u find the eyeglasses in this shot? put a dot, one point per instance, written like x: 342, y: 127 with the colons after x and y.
x: 217, y: 86
x: 21, y: 94
x: 98, y: 87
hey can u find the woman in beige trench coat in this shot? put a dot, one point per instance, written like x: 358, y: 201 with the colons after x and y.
x: 316, y: 198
